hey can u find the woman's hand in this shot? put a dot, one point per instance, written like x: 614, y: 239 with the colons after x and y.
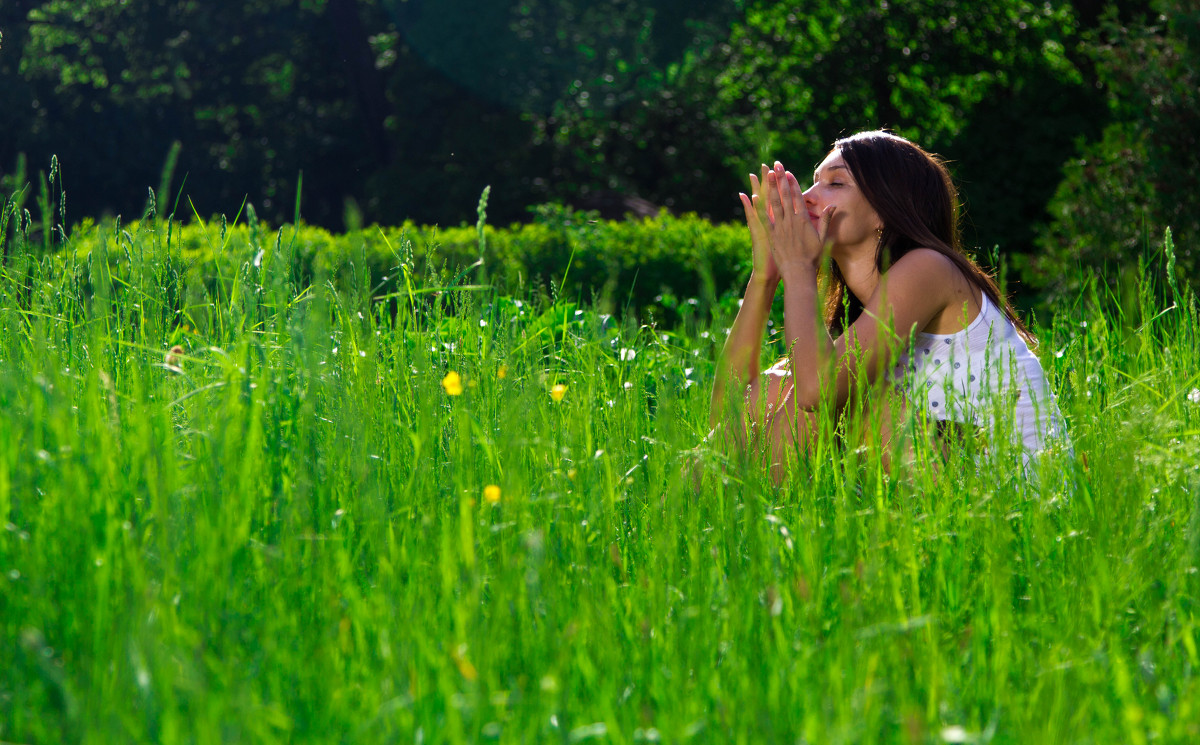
x: 795, y: 242
x: 758, y: 217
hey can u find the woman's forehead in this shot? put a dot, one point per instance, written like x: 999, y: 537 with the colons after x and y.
x: 833, y: 161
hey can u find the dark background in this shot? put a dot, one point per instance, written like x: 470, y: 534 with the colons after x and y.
x: 1071, y: 126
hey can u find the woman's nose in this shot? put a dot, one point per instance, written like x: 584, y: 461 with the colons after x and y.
x: 809, y: 197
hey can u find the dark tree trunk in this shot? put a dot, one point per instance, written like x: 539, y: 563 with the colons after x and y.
x: 365, y: 80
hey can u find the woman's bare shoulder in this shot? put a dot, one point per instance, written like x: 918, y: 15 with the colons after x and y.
x: 921, y: 275
x: 941, y: 286
x: 927, y: 261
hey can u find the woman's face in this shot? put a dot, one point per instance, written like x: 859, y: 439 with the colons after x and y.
x: 854, y: 222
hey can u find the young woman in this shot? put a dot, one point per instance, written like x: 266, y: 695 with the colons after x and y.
x: 929, y: 333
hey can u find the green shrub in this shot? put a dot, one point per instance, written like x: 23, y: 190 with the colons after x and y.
x: 648, y: 266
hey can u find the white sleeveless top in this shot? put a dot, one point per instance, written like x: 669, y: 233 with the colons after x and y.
x: 985, y: 376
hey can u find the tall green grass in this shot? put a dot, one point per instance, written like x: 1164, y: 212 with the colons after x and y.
x: 284, y: 533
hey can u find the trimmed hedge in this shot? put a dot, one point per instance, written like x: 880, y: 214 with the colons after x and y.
x: 647, y: 265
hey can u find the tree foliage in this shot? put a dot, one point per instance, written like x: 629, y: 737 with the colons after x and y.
x: 997, y: 87
x: 401, y: 110
x: 247, y: 88
x: 1139, y: 176
x: 805, y: 76
x: 579, y: 98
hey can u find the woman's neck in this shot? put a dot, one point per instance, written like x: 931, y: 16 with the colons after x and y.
x: 861, y: 275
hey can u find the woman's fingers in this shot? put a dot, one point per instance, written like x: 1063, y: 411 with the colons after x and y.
x: 753, y: 217
x: 747, y: 205
x: 752, y: 206
x: 756, y: 190
x: 826, y: 219
x: 780, y: 187
x: 765, y: 195
x: 783, y: 189
x: 797, y: 194
x: 788, y: 196
x: 775, y: 198
x: 791, y: 187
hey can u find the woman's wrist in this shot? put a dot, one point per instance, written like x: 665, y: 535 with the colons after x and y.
x: 767, y: 280
x: 800, y: 272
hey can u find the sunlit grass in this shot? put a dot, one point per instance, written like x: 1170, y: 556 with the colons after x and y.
x: 459, y: 516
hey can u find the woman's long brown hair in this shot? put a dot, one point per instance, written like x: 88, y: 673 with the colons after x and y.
x: 913, y: 194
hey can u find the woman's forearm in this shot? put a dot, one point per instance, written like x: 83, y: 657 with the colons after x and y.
x: 809, y: 345
x: 739, y: 362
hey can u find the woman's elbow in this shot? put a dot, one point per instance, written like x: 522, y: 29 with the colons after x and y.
x: 806, y: 397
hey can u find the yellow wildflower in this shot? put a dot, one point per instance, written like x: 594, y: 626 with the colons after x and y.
x: 491, y: 494
x: 502, y: 372
x: 453, y: 384
x: 558, y: 391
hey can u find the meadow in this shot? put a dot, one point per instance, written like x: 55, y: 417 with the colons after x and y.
x: 449, y: 513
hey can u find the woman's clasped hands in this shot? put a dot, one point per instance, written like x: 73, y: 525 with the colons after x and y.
x: 783, y: 240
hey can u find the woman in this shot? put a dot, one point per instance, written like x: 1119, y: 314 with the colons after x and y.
x: 931, y: 325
